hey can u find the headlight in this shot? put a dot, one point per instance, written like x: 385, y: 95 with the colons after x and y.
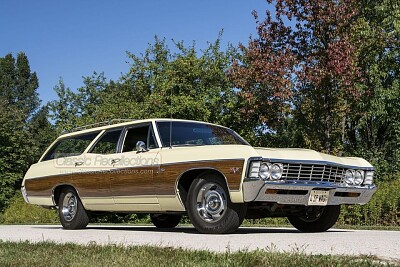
x: 369, y: 177
x: 349, y: 177
x: 276, y: 171
x: 358, y: 177
x: 265, y: 171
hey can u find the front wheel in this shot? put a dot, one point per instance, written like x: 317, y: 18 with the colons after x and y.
x: 316, y: 219
x: 71, y: 211
x: 209, y: 206
x: 165, y: 220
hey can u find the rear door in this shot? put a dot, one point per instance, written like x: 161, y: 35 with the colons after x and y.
x: 100, y: 162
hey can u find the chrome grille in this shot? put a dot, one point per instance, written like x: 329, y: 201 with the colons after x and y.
x: 311, y: 172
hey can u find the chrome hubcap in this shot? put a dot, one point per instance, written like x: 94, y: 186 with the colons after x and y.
x: 211, y: 202
x: 69, y: 207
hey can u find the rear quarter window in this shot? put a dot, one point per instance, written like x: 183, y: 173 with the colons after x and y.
x: 68, y: 147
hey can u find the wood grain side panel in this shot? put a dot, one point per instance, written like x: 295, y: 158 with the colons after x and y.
x: 166, y: 179
x: 41, y: 187
x: 95, y: 184
x: 121, y: 182
x: 133, y: 181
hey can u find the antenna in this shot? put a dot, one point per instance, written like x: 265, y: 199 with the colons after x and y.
x: 170, y: 122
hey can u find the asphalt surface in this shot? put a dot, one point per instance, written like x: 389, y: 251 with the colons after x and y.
x: 383, y: 244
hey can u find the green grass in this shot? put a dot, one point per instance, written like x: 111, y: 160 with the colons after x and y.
x: 51, y: 254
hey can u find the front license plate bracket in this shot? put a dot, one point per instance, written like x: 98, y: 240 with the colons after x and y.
x: 318, y: 198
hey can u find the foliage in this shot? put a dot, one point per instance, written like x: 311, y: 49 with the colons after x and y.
x: 51, y: 254
x: 160, y: 83
x: 18, y: 85
x: 300, y: 67
x: 373, y: 125
x: 12, y: 151
x: 382, y: 210
x: 19, y: 212
x: 140, y: 218
x: 24, y: 128
x: 64, y: 110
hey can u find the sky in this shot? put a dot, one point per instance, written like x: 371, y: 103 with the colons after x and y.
x: 72, y: 39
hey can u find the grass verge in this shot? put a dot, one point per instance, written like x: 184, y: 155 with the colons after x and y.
x: 51, y: 254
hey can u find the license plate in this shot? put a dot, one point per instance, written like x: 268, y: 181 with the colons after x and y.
x: 318, y: 198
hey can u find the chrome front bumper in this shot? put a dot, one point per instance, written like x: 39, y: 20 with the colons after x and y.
x: 296, y: 193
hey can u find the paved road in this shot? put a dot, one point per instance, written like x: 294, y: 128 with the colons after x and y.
x: 384, y: 244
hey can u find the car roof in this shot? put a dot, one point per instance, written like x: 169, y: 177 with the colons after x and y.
x: 122, y: 124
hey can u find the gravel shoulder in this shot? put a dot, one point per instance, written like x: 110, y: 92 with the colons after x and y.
x: 383, y: 244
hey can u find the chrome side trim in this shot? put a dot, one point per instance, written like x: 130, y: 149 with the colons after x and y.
x: 200, y: 161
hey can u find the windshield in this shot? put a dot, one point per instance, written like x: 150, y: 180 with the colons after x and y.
x: 197, y: 134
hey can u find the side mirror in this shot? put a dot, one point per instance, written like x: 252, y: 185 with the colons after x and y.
x: 141, y: 147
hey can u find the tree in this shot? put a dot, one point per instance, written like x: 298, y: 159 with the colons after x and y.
x: 41, y: 132
x: 18, y: 84
x: 22, y: 128
x: 64, y: 111
x: 373, y: 126
x: 13, y: 152
x: 301, y: 69
x: 262, y: 73
x: 185, y: 84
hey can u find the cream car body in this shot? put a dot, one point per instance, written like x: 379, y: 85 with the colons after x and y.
x: 144, y: 173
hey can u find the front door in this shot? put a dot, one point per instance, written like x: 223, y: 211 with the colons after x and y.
x: 132, y: 183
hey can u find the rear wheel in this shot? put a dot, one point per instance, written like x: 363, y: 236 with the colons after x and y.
x: 165, y: 220
x: 71, y: 211
x: 210, y: 208
x: 316, y: 219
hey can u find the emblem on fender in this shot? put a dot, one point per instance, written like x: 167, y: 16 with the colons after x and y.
x: 234, y: 170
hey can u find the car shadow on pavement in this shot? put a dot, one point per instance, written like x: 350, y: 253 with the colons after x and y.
x: 191, y: 230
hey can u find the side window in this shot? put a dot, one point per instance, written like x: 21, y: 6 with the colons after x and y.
x: 72, y: 146
x: 197, y: 134
x: 107, y: 143
x: 143, y: 133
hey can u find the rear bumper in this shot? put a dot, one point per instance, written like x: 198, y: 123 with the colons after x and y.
x: 295, y: 193
x: 24, y: 195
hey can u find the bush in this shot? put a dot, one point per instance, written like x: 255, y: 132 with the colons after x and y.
x: 140, y: 218
x: 382, y: 210
x: 19, y: 212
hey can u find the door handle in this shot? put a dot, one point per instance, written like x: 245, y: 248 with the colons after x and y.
x: 113, y: 161
x: 79, y: 163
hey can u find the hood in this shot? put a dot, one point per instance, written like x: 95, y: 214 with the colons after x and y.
x: 299, y: 154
